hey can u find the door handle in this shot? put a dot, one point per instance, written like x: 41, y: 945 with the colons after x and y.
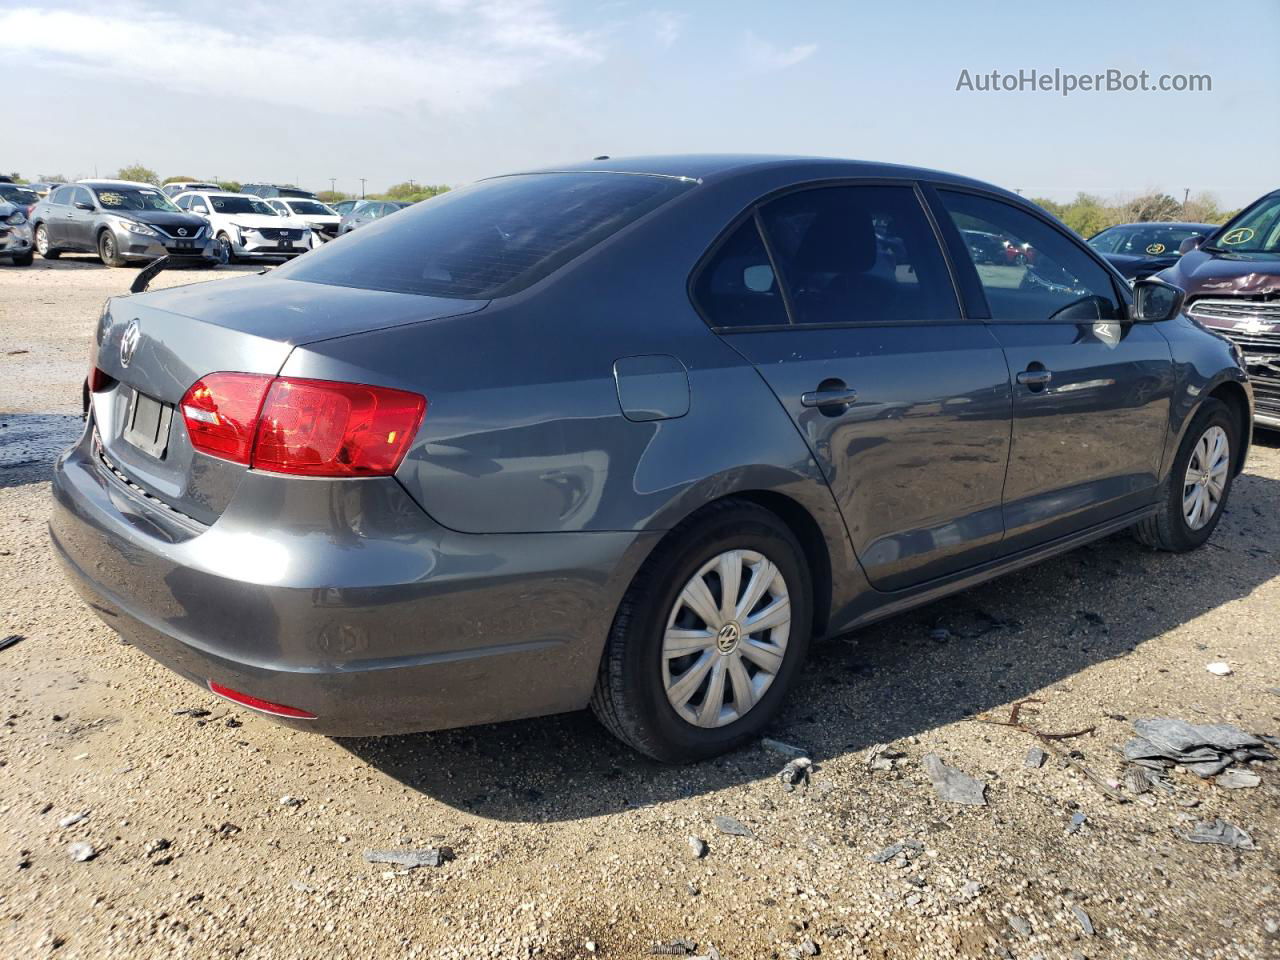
x: 829, y: 397
x: 1035, y: 377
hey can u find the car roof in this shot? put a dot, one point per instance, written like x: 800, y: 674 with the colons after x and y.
x: 97, y: 184
x: 1189, y: 224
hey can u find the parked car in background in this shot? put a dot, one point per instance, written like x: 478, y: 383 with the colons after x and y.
x: 172, y: 190
x: 245, y: 227
x: 41, y: 188
x: 15, y: 235
x: 1232, y: 281
x: 573, y: 437
x: 320, y: 217
x: 1138, y: 250
x: 120, y: 221
x: 20, y: 195
x: 367, y: 211
x: 343, y: 207
x: 276, y: 190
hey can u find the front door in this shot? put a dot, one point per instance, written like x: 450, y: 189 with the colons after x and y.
x: 851, y: 317
x: 80, y: 222
x: 1091, y: 390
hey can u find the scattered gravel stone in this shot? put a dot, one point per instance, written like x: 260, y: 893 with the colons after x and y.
x: 1082, y: 918
x: 1237, y: 779
x: 1220, y: 832
x: 72, y: 819
x: 1035, y: 758
x: 889, y: 852
x: 698, y: 847
x: 82, y: 852
x: 731, y: 826
x: 952, y: 785
x: 970, y: 889
x: 158, y: 845
x: 290, y: 801
x: 796, y: 771
x: 411, y: 859
x: 1077, y: 821
x: 1219, y: 669
x: 1020, y: 926
x: 785, y: 749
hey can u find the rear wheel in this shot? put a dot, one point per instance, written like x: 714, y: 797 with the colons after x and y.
x: 1195, y: 493
x: 709, y: 636
x: 43, y: 247
x: 109, y: 251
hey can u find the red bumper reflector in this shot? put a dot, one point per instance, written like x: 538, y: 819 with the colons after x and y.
x: 264, y: 706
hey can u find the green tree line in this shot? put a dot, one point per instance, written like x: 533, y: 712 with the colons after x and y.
x: 1088, y: 213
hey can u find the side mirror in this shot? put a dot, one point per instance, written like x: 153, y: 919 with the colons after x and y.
x: 1191, y: 243
x: 1154, y: 300
x: 84, y: 205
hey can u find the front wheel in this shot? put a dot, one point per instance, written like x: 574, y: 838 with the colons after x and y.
x: 1195, y: 493
x: 109, y: 251
x: 709, y: 637
x: 25, y: 260
x: 43, y: 246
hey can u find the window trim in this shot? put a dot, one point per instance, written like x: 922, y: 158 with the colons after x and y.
x: 752, y: 212
x: 981, y: 309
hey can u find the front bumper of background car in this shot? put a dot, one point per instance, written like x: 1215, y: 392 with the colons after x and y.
x: 15, y: 240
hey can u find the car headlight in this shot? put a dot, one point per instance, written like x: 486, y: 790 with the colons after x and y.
x: 243, y: 229
x: 16, y: 219
x: 133, y: 226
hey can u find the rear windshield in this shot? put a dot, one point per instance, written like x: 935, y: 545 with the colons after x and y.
x: 488, y: 240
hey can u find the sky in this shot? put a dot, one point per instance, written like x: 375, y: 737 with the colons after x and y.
x: 448, y: 91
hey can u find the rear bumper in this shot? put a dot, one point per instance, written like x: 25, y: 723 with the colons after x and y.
x: 345, y: 600
x: 16, y: 241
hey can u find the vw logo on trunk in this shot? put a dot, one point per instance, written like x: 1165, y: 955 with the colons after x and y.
x: 129, y: 342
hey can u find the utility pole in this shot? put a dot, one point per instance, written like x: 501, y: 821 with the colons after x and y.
x: 411, y: 183
x: 362, y: 188
x: 332, y: 184
x: 1186, y: 195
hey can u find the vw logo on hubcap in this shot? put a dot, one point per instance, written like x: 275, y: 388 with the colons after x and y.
x: 727, y: 638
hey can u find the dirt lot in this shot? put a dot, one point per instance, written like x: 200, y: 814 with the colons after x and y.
x: 569, y: 846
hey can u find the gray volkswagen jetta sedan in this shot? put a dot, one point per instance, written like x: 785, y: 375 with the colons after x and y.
x: 627, y: 434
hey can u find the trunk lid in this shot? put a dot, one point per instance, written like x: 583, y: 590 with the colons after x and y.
x: 156, y: 345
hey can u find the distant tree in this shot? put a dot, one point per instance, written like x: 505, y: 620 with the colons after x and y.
x: 179, y: 180
x: 231, y: 186
x: 1203, y: 208
x: 411, y: 192
x: 16, y: 177
x: 51, y: 178
x: 333, y: 196
x: 137, y: 172
x: 1151, y: 207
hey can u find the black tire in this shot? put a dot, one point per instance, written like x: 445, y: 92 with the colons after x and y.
x: 225, y: 242
x: 108, y: 251
x: 1168, y: 529
x: 630, y: 699
x: 24, y: 260
x: 43, y: 247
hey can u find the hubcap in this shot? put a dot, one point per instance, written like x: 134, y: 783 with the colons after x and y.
x: 1206, y: 478
x: 42, y: 241
x: 726, y: 638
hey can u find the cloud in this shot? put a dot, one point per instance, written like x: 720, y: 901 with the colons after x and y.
x: 668, y: 26
x: 763, y: 55
x: 446, y: 56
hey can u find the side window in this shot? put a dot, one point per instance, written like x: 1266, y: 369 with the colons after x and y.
x: 83, y: 196
x: 62, y: 195
x: 198, y: 205
x: 184, y: 203
x: 1107, y: 241
x: 737, y: 288
x: 859, y: 255
x: 1039, y: 272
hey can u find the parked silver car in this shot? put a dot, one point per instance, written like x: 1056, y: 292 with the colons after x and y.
x: 15, y: 235
x: 120, y: 221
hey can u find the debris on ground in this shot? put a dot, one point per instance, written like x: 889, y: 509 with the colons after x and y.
x: 698, y: 846
x: 291, y: 801
x: 1077, y: 821
x: 731, y: 826
x: 893, y: 850
x: 1221, y: 832
x: 72, y: 819
x: 411, y: 859
x: 876, y: 759
x: 1206, y: 750
x: 953, y: 785
x: 796, y: 771
x: 196, y: 712
x: 1020, y: 926
x: 1035, y: 758
x: 82, y: 852
x: 1237, y: 779
x: 158, y: 845
x: 680, y: 947
x: 785, y: 749
x: 970, y: 889
x: 10, y: 640
x: 1219, y: 669
x: 1082, y: 918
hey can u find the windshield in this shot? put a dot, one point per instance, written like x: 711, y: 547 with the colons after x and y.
x: 1256, y: 230
x: 133, y: 198
x: 241, y: 205
x: 19, y: 195
x: 310, y: 208
x: 491, y: 239
x: 1155, y: 240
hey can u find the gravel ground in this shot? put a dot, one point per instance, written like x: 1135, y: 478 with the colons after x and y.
x: 569, y: 846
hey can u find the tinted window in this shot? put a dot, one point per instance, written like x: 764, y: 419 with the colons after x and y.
x: 237, y: 204
x: 1256, y: 230
x: 183, y: 202
x: 859, y: 255
x: 737, y: 287
x: 491, y: 239
x: 82, y: 196
x: 62, y: 195
x: 1034, y: 271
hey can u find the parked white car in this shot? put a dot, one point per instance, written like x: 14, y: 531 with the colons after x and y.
x: 246, y: 227
x: 320, y: 217
x: 172, y: 190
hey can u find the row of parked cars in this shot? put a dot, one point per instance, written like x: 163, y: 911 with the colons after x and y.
x: 199, y: 223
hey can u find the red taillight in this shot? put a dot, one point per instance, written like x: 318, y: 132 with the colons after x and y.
x: 256, y: 703
x: 97, y: 380
x: 327, y: 429
x: 221, y: 412
x: 317, y: 428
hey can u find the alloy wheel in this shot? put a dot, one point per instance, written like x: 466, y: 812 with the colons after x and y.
x: 42, y: 240
x: 726, y: 638
x: 1206, y: 479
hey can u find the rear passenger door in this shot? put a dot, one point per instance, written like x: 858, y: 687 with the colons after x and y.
x: 1091, y: 390
x: 842, y: 299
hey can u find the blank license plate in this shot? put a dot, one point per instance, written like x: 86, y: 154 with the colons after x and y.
x: 148, y: 426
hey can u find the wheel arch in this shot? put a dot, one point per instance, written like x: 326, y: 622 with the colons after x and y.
x: 1233, y: 395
